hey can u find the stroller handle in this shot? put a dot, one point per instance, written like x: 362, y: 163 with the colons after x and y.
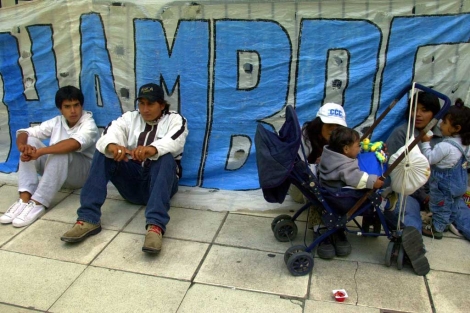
x: 400, y: 95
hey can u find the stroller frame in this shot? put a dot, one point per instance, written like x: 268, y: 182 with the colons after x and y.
x: 299, y: 258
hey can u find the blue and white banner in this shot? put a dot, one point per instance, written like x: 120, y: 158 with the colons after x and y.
x: 227, y: 66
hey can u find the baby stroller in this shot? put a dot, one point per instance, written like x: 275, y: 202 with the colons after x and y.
x: 279, y: 166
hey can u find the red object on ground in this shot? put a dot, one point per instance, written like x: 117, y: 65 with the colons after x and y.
x: 340, y: 296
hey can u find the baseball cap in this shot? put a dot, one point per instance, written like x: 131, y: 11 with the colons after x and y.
x: 151, y: 92
x: 332, y: 113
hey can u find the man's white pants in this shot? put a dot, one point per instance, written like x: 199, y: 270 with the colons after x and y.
x: 68, y: 170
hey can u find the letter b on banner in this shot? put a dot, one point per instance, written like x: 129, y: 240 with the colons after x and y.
x: 236, y: 111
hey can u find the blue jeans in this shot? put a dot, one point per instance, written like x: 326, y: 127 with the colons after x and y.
x: 462, y: 219
x: 153, y: 185
x: 447, y: 187
x: 412, y: 213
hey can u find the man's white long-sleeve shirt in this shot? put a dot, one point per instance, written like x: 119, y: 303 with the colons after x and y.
x: 85, y: 132
x: 167, y: 134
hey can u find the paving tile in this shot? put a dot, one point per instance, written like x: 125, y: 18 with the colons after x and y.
x: 105, y: 290
x: 250, y: 270
x: 115, y: 213
x: 328, y: 275
x: 7, y: 231
x: 367, y: 249
x: 43, y: 239
x: 9, y: 194
x: 178, y: 259
x: 113, y: 193
x: 34, y: 282
x: 255, y: 232
x: 223, y: 200
x: 10, y: 178
x: 187, y: 224
x: 14, y: 309
x: 59, y: 197
x: 448, y: 254
x: 369, y: 285
x: 290, y: 209
x: 388, y: 288
x: 204, y: 298
x: 330, y: 307
x: 449, y: 291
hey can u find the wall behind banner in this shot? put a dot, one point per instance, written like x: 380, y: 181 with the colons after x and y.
x: 228, y: 65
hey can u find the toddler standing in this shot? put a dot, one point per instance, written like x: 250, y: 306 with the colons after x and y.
x: 449, y: 180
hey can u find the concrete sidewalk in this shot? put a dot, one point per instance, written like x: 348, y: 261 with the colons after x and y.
x: 219, y: 255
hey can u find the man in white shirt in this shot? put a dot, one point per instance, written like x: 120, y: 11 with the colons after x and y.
x: 140, y: 154
x: 64, y: 163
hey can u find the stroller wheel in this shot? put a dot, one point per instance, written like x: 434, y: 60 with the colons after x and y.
x: 389, y: 253
x: 293, y: 250
x: 300, y: 263
x: 279, y: 218
x: 285, y: 230
x: 400, y: 257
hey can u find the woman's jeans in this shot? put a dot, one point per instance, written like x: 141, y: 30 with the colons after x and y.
x: 152, y: 185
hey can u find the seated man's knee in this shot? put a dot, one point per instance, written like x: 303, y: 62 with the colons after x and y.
x: 166, y: 161
x: 35, y: 142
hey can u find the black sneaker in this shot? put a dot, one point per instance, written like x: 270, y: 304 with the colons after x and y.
x: 341, y: 243
x: 412, y: 242
x: 325, y: 249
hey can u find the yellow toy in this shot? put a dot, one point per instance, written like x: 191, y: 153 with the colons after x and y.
x: 376, y: 147
x: 365, y: 144
x: 381, y: 156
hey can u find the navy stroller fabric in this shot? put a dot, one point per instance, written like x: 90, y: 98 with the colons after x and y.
x: 276, y: 155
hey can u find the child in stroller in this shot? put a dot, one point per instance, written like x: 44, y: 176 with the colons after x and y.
x: 343, y: 183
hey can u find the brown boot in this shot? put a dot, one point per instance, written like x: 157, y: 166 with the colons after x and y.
x: 80, y: 231
x: 153, y: 239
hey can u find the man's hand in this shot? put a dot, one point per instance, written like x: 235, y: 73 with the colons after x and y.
x: 28, y: 153
x: 34, y: 154
x: 26, y: 149
x: 141, y: 153
x: 25, y: 158
x: 119, y: 152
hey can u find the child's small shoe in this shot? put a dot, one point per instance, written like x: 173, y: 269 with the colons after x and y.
x: 429, y: 231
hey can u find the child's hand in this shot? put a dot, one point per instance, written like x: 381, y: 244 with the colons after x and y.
x: 384, y: 148
x: 378, y: 184
x: 427, y: 137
